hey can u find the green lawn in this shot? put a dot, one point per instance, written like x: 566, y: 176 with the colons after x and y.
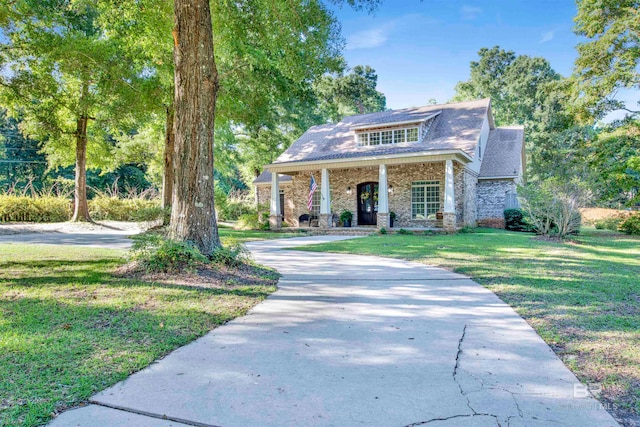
x: 230, y: 235
x: 69, y: 327
x: 582, y: 296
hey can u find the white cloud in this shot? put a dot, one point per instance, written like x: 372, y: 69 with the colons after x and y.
x: 548, y: 36
x: 367, y: 39
x: 469, y: 13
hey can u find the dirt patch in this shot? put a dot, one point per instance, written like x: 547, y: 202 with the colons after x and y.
x: 205, y: 277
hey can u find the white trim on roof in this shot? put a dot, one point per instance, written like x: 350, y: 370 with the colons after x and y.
x: 341, y: 163
x: 389, y: 124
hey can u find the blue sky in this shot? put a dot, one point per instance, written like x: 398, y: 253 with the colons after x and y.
x: 421, y: 49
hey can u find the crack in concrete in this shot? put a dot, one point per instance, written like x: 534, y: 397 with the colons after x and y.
x: 482, y: 387
x: 457, y: 365
x: 452, y: 417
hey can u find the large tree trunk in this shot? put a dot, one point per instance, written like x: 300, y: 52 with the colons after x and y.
x: 81, y: 211
x: 169, y: 168
x: 193, y: 216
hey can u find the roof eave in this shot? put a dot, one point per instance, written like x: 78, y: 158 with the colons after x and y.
x: 422, y: 156
x: 497, y: 177
x: 389, y: 124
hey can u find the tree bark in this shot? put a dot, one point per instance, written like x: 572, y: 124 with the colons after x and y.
x: 193, y: 217
x: 81, y: 210
x: 169, y: 169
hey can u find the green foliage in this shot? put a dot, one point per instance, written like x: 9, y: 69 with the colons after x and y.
x: 403, y: 231
x: 382, y: 231
x: 514, y: 220
x: 611, y: 223
x: 610, y: 58
x: 552, y: 206
x: 125, y: 209
x: 157, y: 253
x: 346, y: 216
x: 631, y: 225
x: 254, y: 221
x: 526, y: 91
x: 232, y: 207
x: 233, y: 255
x: 467, y: 230
x: 348, y: 94
x: 43, y: 208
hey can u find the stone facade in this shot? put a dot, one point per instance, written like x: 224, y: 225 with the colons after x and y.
x: 344, y: 184
x: 491, y: 201
x: 470, y: 197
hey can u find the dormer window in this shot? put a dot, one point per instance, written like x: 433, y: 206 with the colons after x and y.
x: 391, y: 136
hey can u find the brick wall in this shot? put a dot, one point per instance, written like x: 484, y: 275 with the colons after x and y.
x: 491, y: 198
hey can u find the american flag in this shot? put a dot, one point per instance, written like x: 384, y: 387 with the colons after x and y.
x: 312, y: 188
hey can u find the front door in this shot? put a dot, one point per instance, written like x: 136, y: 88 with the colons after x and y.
x: 368, y: 203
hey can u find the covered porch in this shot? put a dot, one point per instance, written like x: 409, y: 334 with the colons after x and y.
x: 418, y: 193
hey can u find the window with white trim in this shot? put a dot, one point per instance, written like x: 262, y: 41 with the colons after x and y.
x: 425, y: 199
x: 394, y: 136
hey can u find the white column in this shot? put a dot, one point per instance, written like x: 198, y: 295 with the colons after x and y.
x: 383, y: 191
x: 449, y: 197
x: 325, y: 192
x: 275, y: 195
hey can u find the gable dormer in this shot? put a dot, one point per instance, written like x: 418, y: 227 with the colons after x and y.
x: 407, y: 131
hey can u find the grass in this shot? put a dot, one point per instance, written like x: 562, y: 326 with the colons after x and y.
x: 230, y: 235
x: 581, y: 296
x: 69, y: 327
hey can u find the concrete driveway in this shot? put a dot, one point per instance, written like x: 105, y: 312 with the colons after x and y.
x: 355, y: 341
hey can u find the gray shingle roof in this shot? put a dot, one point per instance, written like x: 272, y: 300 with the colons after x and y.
x: 503, y: 155
x: 457, y: 127
x: 265, y: 178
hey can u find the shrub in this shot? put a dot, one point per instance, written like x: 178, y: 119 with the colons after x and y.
x: 403, y: 231
x: 254, y: 221
x: 232, y: 207
x: 231, y: 256
x: 383, y: 231
x: 104, y: 207
x: 467, y: 230
x: 631, y: 225
x: 157, y: 253
x: 552, y: 207
x: 514, y: 220
x: 611, y: 223
x: 40, y: 208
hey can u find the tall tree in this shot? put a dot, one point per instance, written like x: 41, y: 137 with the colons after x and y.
x: 348, y: 94
x: 526, y: 91
x: 283, y: 44
x: 610, y: 59
x: 196, y: 87
x: 65, y: 76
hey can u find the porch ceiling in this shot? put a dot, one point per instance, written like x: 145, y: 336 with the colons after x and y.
x: 424, y: 157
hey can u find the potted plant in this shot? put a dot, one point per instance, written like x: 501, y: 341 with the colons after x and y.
x: 345, y: 218
x: 392, y: 217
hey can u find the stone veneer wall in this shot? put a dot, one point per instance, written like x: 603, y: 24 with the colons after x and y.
x: 264, y: 201
x: 470, y: 195
x: 491, y: 199
x: 400, y: 177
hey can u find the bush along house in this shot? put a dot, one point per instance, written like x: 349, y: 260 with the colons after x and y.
x: 439, y: 166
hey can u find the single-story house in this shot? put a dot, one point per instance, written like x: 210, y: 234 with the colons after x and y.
x: 444, y: 166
